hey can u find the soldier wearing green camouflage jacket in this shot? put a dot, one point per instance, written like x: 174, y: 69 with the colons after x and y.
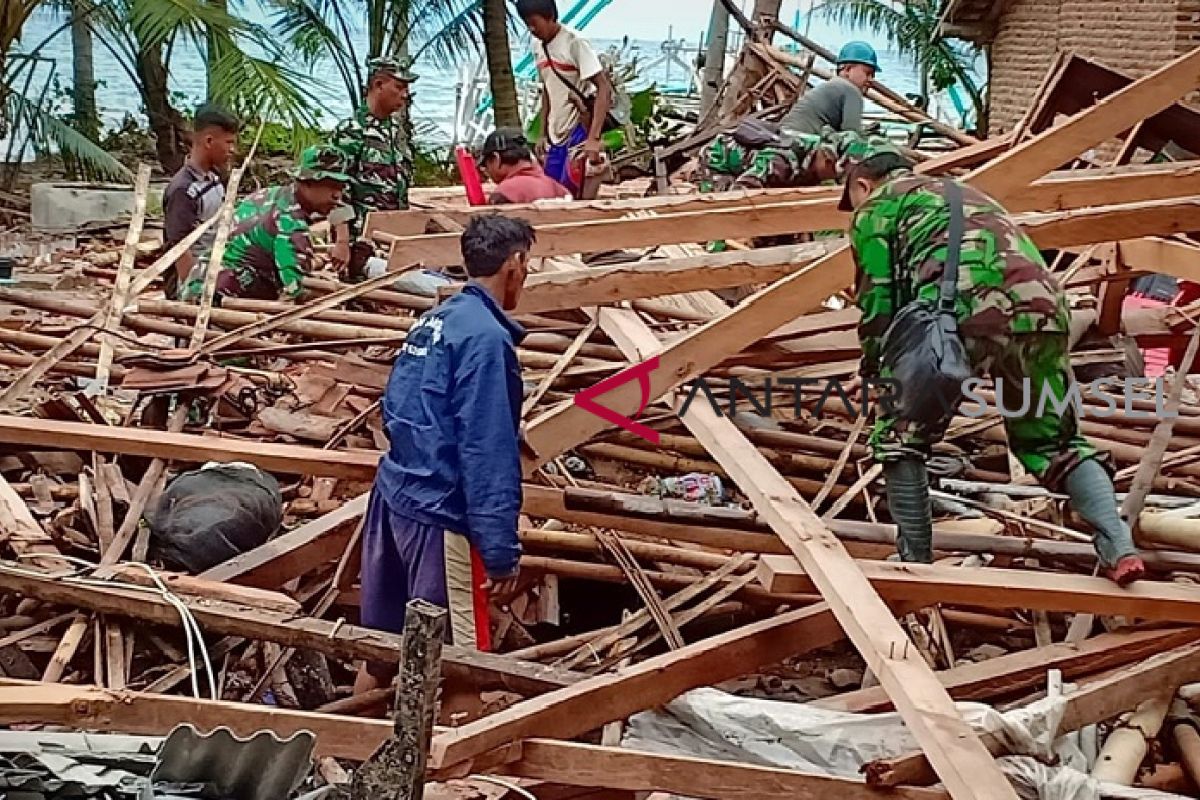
x: 269, y: 251
x: 1014, y: 323
x: 378, y: 159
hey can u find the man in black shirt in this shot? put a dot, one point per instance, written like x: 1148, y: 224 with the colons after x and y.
x: 196, y: 192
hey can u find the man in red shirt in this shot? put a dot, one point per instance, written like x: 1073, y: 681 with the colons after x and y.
x: 508, y: 162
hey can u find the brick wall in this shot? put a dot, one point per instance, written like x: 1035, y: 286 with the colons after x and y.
x: 1132, y: 36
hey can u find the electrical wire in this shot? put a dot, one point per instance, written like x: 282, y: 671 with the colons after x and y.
x: 193, y: 635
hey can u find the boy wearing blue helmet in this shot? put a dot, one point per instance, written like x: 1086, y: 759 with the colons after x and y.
x: 837, y: 104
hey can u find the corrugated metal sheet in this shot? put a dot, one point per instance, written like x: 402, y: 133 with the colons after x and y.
x: 263, y: 767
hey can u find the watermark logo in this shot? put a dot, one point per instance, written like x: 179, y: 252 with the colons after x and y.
x: 586, y: 399
x: 1105, y: 397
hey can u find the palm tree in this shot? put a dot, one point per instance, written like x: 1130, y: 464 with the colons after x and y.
x: 142, y: 34
x: 83, y: 67
x: 24, y: 114
x: 911, y: 27
x: 320, y: 30
x: 499, y: 60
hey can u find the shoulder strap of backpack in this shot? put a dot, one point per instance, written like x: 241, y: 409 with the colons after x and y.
x: 954, y: 247
x: 579, y: 93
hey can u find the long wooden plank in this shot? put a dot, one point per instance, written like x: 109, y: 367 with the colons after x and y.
x: 1094, y: 702
x: 704, y: 347
x: 597, y: 701
x: 59, y: 435
x: 566, y: 238
x: 819, y: 213
x: 1003, y: 589
x: 1013, y: 171
x: 333, y: 639
x: 120, y: 293
x: 295, y: 552
x: 621, y: 768
x: 1058, y: 190
x: 415, y: 222
x: 963, y: 764
x: 92, y: 708
x: 1073, y: 228
x: 1025, y: 671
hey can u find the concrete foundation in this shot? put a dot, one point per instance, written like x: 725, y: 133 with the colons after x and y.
x: 59, y: 207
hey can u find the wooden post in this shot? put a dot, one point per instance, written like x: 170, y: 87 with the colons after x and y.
x: 397, y: 769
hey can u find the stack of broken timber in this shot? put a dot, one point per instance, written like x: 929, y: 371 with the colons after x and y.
x: 116, y: 390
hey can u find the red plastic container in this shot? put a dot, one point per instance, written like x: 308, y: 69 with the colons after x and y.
x: 470, y: 176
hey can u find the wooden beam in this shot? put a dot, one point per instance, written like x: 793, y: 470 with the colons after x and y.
x: 1065, y: 229
x: 1060, y: 192
x: 621, y: 768
x: 1024, y: 671
x: 290, y: 459
x: 230, y: 619
x: 21, y: 531
x: 1004, y: 178
x: 294, y: 553
x: 597, y: 701
x: 91, y: 708
x: 962, y: 762
x: 555, y: 291
x: 1011, y: 172
x: 416, y: 222
x: 568, y: 238
x: 1094, y: 702
x: 927, y: 584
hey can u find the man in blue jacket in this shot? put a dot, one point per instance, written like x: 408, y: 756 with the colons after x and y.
x: 451, y: 480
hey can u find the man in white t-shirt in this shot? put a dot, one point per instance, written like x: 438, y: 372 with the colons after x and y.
x: 570, y: 72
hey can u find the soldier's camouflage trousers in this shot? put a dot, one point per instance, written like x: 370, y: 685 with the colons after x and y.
x: 725, y: 164
x: 1045, y: 438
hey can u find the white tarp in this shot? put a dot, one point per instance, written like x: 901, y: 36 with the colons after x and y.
x: 708, y: 723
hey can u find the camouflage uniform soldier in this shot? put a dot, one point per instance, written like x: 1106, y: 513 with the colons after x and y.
x: 378, y: 159
x: 1014, y: 323
x: 804, y: 160
x: 269, y: 250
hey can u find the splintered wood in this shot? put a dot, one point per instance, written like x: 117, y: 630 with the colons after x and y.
x: 736, y: 537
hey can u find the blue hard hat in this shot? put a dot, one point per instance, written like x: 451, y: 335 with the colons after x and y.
x: 858, y: 53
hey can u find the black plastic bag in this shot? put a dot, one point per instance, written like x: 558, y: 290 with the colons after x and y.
x: 756, y: 134
x: 922, y: 347
x: 208, y: 516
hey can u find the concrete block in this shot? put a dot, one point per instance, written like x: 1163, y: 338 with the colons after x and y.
x: 67, y: 206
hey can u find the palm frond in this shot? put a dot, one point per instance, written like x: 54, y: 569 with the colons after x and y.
x: 446, y: 30
x: 260, y: 88
x: 306, y: 28
x: 156, y: 22
x: 72, y: 143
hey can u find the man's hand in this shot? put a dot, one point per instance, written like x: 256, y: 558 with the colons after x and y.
x: 339, y: 254
x: 592, y: 149
x: 502, y: 587
x: 541, y: 148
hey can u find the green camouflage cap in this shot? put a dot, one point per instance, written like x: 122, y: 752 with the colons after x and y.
x: 320, y: 164
x: 859, y: 150
x: 398, y: 69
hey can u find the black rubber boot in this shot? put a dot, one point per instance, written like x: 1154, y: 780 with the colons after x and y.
x: 911, y: 508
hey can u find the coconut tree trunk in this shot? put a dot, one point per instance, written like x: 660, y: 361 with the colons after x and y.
x: 499, y: 59
x: 166, y: 122
x: 214, y: 51
x: 87, y: 117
